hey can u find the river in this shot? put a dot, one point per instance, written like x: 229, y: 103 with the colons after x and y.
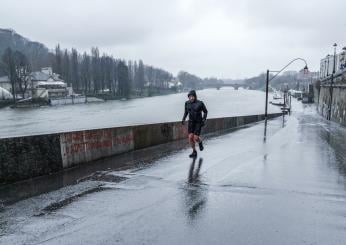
x: 220, y: 103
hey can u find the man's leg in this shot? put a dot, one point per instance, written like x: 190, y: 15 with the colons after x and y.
x: 198, y: 139
x: 193, y: 145
x: 192, y: 141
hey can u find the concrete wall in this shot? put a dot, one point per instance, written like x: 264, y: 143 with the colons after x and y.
x: 31, y: 156
x: 338, y: 108
x: 26, y: 157
x: 338, y: 104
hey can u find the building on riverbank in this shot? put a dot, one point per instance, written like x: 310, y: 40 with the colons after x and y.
x: 327, y: 65
x: 41, y: 84
x: 46, y: 84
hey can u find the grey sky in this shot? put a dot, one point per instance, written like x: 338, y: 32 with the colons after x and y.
x: 223, y: 38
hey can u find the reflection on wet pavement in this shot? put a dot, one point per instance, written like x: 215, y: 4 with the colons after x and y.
x: 194, y: 173
x: 195, y: 192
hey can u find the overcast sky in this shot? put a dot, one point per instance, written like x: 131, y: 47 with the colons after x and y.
x: 223, y: 38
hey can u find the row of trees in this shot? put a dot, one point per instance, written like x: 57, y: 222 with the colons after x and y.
x: 189, y: 80
x: 87, y: 73
x: 94, y: 73
x: 194, y: 82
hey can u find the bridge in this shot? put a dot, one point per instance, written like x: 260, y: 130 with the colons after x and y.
x: 219, y: 85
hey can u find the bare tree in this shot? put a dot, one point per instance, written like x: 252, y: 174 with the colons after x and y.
x: 17, y: 68
x: 66, y: 70
x: 74, y: 69
x: 123, y: 80
x: 9, y: 66
x: 58, y: 60
x: 86, y: 73
x: 23, y: 71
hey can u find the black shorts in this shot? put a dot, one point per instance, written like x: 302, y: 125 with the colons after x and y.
x: 194, y: 128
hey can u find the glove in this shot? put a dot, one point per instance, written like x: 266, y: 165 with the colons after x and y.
x: 183, y: 122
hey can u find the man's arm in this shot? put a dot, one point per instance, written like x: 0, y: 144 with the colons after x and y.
x: 185, y: 113
x: 205, y: 112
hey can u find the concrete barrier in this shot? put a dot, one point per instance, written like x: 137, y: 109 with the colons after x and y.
x: 338, y: 106
x: 331, y: 100
x: 31, y: 156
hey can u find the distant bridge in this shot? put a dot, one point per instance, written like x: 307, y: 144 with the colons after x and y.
x: 218, y: 86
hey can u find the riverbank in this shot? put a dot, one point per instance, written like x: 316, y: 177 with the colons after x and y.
x: 144, y: 94
x: 5, y: 103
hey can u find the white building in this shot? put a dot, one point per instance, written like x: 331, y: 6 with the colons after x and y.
x: 47, y: 84
x: 45, y: 75
x: 327, y: 63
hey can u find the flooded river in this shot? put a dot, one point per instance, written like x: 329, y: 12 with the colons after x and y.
x: 224, y: 102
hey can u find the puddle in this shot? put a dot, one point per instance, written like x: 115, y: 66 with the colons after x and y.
x: 58, y: 205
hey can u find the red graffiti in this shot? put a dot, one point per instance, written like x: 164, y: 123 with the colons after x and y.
x: 107, y: 133
x: 98, y: 144
x: 77, y: 136
x: 123, y: 139
x: 91, y: 135
x: 78, y: 142
x: 75, y: 148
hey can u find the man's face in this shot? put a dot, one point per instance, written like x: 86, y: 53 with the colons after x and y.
x: 192, y: 98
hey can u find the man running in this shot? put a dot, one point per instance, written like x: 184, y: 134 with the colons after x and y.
x: 194, y: 108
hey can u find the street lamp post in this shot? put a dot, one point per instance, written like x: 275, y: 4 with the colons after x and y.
x: 277, y: 73
x: 331, y: 83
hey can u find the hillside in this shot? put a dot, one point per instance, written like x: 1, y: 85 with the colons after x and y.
x: 9, y: 38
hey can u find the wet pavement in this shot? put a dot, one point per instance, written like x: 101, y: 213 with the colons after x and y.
x: 286, y: 188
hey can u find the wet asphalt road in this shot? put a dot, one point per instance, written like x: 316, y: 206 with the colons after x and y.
x: 289, y: 189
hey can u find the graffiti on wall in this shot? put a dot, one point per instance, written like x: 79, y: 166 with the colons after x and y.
x: 86, y: 141
x: 84, y: 146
